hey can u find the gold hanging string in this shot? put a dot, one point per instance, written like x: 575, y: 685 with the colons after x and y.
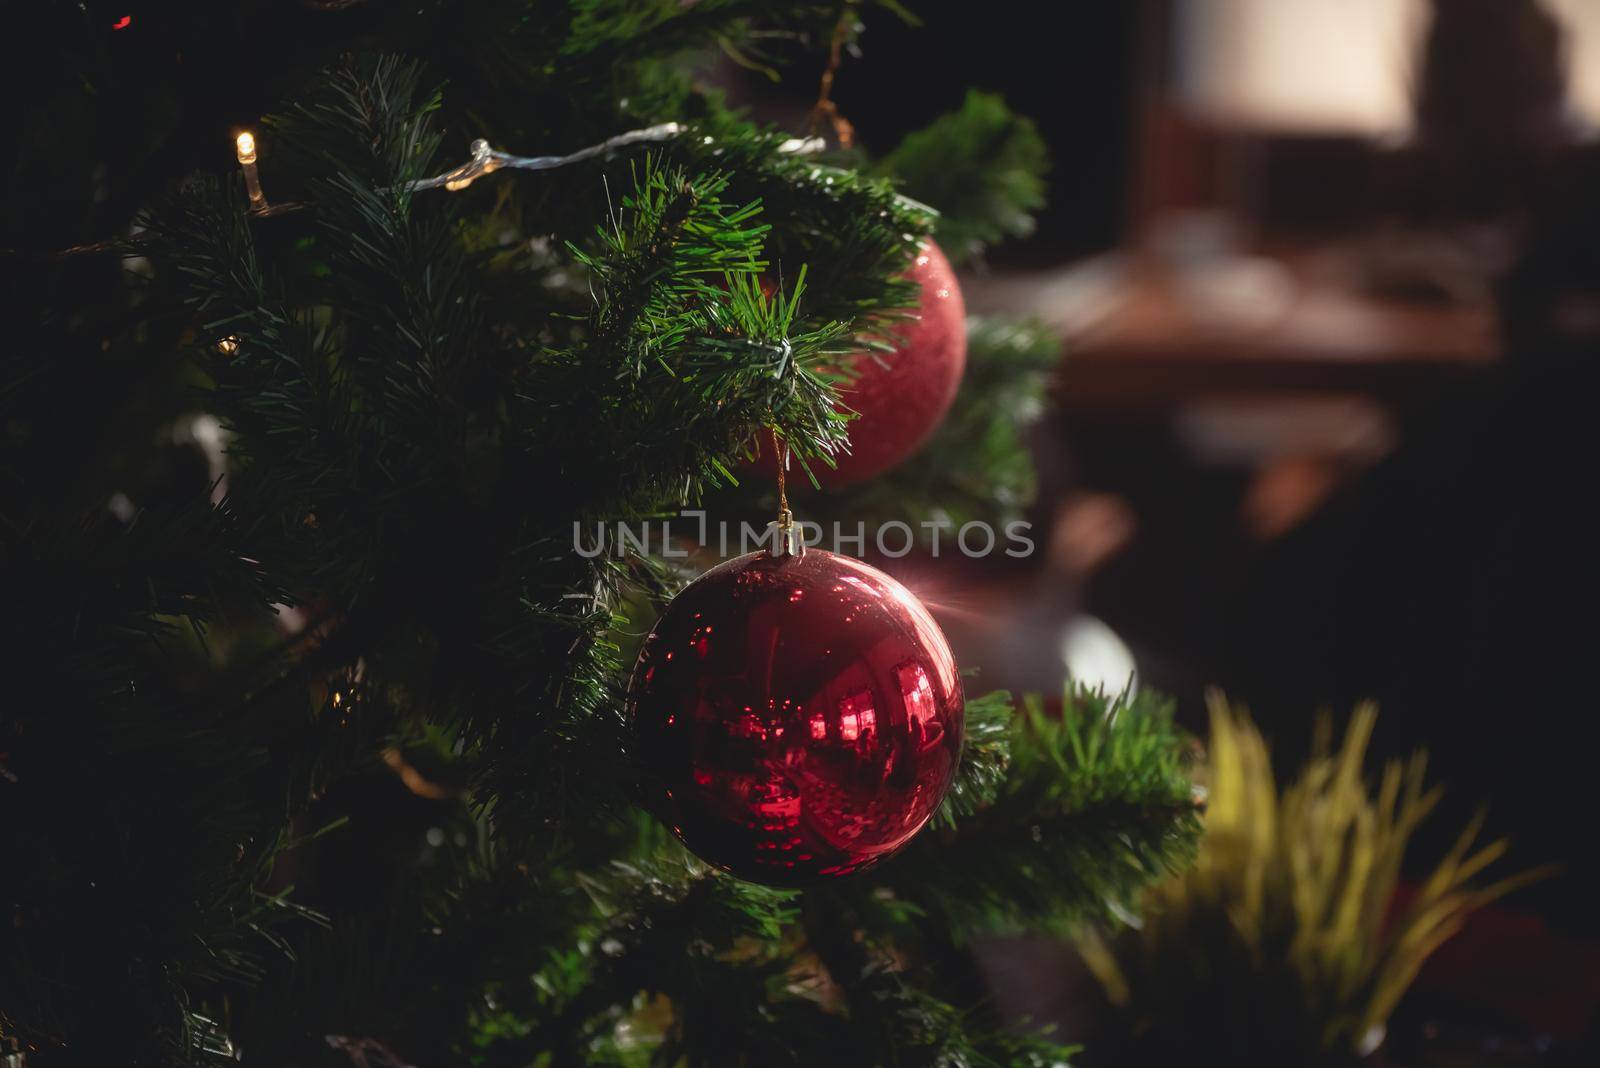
x: 825, y: 110
x: 781, y: 449
x: 786, y: 540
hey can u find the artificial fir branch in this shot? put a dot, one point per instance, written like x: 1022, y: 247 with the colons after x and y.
x: 983, y: 166
x: 1094, y: 803
x: 893, y: 1021
x: 685, y: 352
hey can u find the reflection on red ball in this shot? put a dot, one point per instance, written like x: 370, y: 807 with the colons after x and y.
x: 795, y: 718
x: 901, y: 397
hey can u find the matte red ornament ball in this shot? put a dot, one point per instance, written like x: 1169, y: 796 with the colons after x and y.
x: 902, y: 396
x: 795, y: 718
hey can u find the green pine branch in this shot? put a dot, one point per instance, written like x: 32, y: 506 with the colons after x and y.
x: 982, y: 166
x: 1093, y: 805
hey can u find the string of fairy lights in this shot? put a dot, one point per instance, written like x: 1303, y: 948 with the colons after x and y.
x: 484, y: 159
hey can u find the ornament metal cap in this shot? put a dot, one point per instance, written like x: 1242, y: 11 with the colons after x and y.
x: 787, y: 538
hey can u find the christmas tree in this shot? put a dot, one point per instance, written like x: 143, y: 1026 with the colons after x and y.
x: 317, y: 744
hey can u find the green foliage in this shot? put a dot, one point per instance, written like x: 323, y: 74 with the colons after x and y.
x: 408, y: 819
x: 1094, y: 802
x: 684, y: 352
x: 982, y: 167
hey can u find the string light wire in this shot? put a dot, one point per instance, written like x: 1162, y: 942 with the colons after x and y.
x: 487, y: 160
x: 484, y: 160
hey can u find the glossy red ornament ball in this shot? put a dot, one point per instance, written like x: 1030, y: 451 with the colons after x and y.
x: 795, y: 718
x: 901, y: 397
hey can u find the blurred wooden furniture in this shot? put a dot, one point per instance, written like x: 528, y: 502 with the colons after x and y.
x: 1140, y: 334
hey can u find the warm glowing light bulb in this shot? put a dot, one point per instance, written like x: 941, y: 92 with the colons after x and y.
x: 245, y: 143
